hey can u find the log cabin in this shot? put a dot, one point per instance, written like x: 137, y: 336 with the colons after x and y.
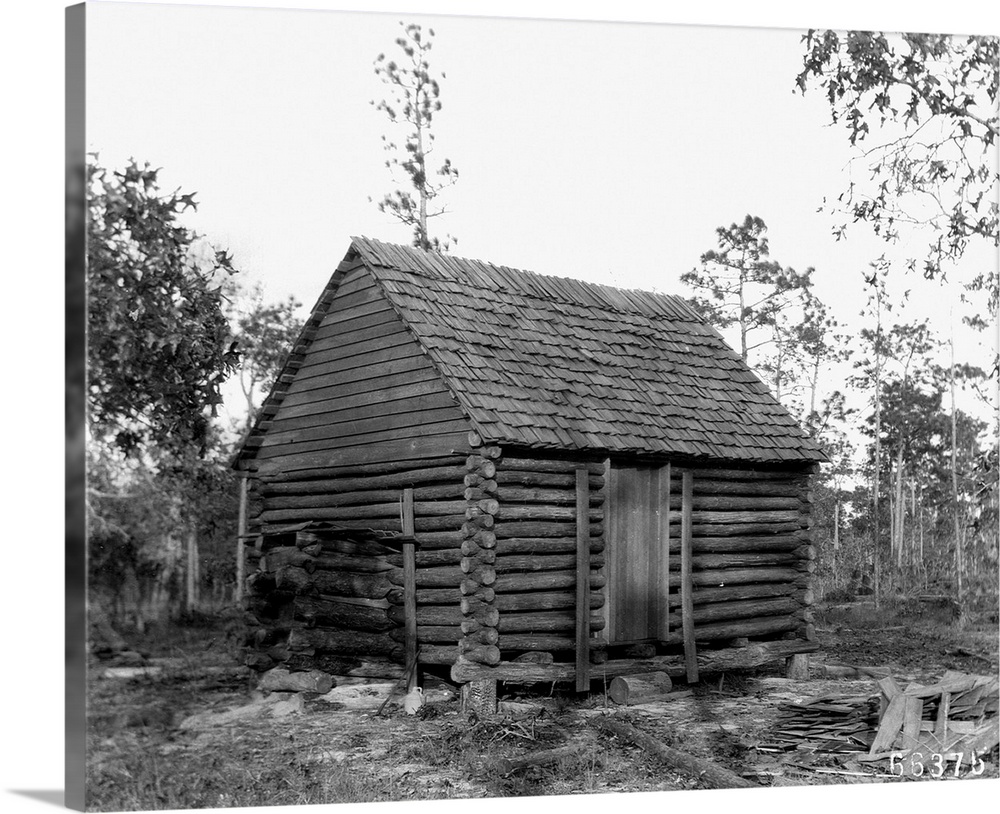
x: 517, y: 477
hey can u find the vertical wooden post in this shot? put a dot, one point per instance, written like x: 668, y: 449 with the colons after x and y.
x: 687, y: 605
x: 409, y: 588
x: 582, y: 580
x: 663, y: 535
x: 241, y: 533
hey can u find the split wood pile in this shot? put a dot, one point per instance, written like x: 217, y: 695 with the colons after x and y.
x: 957, y: 714
x: 826, y: 723
x: 751, y: 556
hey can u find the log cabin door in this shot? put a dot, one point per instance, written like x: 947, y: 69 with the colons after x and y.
x: 637, y: 553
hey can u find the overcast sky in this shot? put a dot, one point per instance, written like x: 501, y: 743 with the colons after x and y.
x: 605, y: 151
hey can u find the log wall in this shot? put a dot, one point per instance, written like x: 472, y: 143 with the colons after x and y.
x: 323, y: 595
x: 519, y: 594
x: 752, y: 554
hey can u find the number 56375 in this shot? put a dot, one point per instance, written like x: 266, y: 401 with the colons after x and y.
x: 934, y: 764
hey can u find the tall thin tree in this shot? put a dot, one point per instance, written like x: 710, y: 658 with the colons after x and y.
x: 415, y: 98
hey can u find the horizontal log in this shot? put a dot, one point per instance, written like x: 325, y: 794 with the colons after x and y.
x: 474, y: 480
x: 731, y: 503
x: 481, y: 653
x: 338, y: 583
x: 337, y: 543
x: 736, y: 593
x: 483, y: 557
x: 481, y: 492
x: 431, y: 615
x: 548, y: 512
x: 325, y: 612
x: 427, y: 596
x: 531, y: 641
x: 429, y: 559
x: 738, y: 529
x: 745, y: 627
x: 545, y: 480
x: 742, y: 559
x: 363, y: 497
x: 484, y: 538
x: 547, y: 622
x: 724, y: 660
x: 445, y: 576
x: 428, y: 540
x: 294, y: 579
x: 352, y: 642
x: 637, y: 689
x: 508, y: 529
x: 520, y: 494
x: 280, y: 556
x: 430, y: 508
x: 539, y: 600
x: 550, y: 465
x: 736, y: 576
x: 367, y: 471
x: 478, y: 465
x: 437, y: 634
x: 543, y: 581
x: 758, y: 542
x: 437, y: 654
x: 330, y: 561
x: 750, y: 475
x: 751, y: 488
x: 545, y: 545
x: 749, y: 609
x: 388, y: 523
x: 542, y: 562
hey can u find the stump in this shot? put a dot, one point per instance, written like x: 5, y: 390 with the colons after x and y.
x: 797, y: 666
x: 638, y: 689
x: 480, y: 697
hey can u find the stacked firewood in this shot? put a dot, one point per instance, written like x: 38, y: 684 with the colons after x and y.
x: 751, y: 555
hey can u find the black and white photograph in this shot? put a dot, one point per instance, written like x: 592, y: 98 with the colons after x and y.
x: 474, y: 403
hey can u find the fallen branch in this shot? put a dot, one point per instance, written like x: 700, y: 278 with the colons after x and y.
x: 544, y: 757
x: 710, y: 774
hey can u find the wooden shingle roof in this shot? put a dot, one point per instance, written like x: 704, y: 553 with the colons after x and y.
x: 552, y: 362
x: 555, y: 363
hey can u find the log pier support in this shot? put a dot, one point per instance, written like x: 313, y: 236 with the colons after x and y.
x: 797, y: 666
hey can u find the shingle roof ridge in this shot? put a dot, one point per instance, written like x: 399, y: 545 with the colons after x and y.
x: 564, y: 290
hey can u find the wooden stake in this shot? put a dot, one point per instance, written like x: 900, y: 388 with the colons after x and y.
x: 409, y: 587
x: 582, y: 580
x: 687, y: 605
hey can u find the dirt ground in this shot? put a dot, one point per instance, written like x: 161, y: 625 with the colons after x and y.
x: 187, y: 729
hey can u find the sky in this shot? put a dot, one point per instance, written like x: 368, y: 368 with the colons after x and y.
x: 603, y: 151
